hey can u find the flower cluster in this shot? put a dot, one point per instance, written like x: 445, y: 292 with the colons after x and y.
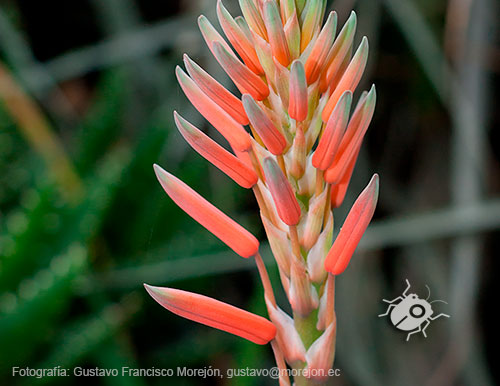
x: 296, y: 79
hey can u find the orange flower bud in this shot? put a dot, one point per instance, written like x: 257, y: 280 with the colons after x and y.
x: 246, y: 80
x: 311, y: 16
x: 253, y: 17
x: 265, y: 128
x: 217, y: 92
x: 214, y: 313
x: 352, y: 139
x: 286, y: 203
x: 276, y: 34
x: 317, y: 57
x: 350, y: 79
x: 243, y: 46
x: 298, y: 102
x: 332, y: 135
x: 292, y: 33
x: 216, y: 154
x: 339, y: 51
x: 354, y: 226
x: 222, y: 121
x: 226, y: 229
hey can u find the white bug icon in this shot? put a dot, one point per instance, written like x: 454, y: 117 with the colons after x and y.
x: 410, y: 313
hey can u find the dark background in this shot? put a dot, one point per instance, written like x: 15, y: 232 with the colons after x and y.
x: 76, y: 246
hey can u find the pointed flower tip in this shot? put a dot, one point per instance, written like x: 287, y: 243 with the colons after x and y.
x: 215, y: 91
x: 371, y: 97
x: 161, y: 174
x: 283, y: 196
x: 350, y: 79
x: 230, y: 129
x: 352, y: 22
x: 354, y: 226
x: 240, y: 172
x: 246, y: 80
x: 329, y: 143
x: 214, y: 313
x: 273, y: 139
x: 364, y: 43
x: 154, y: 292
x: 226, y: 229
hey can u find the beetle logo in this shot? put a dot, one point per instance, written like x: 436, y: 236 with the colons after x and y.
x: 410, y: 313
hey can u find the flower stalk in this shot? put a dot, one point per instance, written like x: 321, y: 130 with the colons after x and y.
x: 295, y: 143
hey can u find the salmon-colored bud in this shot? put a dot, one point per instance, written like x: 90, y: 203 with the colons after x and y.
x: 253, y: 17
x: 350, y: 79
x: 363, y: 113
x: 311, y: 20
x: 293, y: 35
x: 299, y: 154
x: 320, y: 50
x: 298, y: 106
x: 354, y: 226
x: 339, y: 51
x: 301, y: 294
x: 287, y: 9
x: 281, y: 80
x: 215, y: 91
x: 214, y: 313
x: 314, y: 221
x: 333, y: 133
x: 272, y: 212
x: 287, y: 336
x: 263, y: 50
x: 243, y: 46
x: 242, y: 76
x: 283, y: 195
x: 317, y: 254
x: 222, y: 121
x: 216, y: 154
x: 275, y: 32
x: 242, y: 23
x: 339, y: 190
x: 316, y: 124
x: 211, y: 35
x: 226, y: 229
x: 321, y: 354
x: 280, y: 244
x: 267, y: 131
x: 352, y: 139
x: 335, y: 80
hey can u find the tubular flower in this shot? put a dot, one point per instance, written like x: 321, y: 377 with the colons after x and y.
x: 234, y: 235
x: 295, y: 142
x: 214, y: 313
x: 354, y: 226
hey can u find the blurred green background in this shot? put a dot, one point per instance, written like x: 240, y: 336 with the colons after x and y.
x: 87, y: 90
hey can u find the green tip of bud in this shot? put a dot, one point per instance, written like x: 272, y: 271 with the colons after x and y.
x: 371, y: 97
